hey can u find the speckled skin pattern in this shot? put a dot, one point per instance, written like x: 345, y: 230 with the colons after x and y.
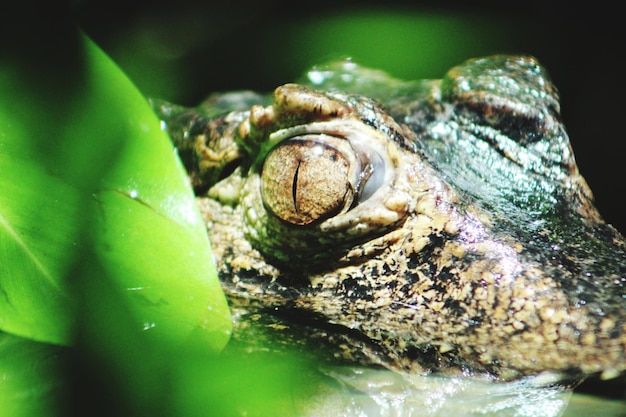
x: 478, y: 250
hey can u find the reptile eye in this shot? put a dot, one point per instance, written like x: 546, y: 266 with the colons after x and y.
x: 305, y: 179
x: 336, y: 176
x: 316, y: 190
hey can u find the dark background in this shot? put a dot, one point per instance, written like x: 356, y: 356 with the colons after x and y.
x: 185, y: 49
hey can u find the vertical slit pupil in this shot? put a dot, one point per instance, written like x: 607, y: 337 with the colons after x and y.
x: 294, y: 188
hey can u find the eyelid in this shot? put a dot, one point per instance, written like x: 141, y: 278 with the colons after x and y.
x: 374, y: 180
x: 371, y: 148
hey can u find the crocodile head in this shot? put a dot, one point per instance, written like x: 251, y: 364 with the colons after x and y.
x: 423, y: 226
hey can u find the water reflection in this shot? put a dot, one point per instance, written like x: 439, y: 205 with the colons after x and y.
x: 366, y: 392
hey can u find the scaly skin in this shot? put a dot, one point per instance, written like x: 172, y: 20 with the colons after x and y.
x: 431, y: 226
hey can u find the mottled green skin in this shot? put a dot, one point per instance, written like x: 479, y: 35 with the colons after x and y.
x: 481, y: 253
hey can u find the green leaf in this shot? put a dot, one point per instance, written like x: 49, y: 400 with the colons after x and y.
x: 171, y: 289
x: 30, y: 383
x: 253, y: 384
x: 39, y: 226
x: 86, y: 169
x: 148, y: 230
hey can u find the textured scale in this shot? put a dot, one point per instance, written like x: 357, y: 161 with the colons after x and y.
x: 454, y: 233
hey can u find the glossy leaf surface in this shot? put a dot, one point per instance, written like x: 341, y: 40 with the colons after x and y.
x: 92, y: 169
